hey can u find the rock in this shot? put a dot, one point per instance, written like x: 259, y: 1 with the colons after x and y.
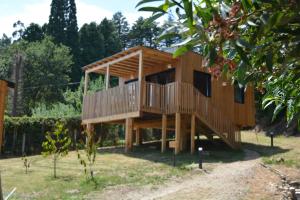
x: 295, y: 184
x: 279, y: 160
x: 75, y: 191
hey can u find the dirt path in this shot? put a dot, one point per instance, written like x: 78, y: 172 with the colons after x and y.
x: 226, y: 181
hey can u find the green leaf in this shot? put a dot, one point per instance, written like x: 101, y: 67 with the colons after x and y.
x: 279, y: 107
x: 152, y: 9
x: 188, y: 8
x: 181, y: 50
x: 152, y: 19
x: 246, y: 5
x: 145, y: 1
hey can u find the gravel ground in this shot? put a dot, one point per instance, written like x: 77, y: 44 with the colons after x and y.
x: 236, y: 180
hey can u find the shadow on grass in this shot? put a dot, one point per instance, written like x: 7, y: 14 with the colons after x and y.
x: 264, y: 150
x: 215, y: 151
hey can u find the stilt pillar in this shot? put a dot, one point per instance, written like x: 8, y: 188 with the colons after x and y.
x: 177, y: 132
x: 128, y: 134
x: 164, y: 133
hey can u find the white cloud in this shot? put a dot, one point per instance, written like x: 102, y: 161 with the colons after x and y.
x: 39, y: 13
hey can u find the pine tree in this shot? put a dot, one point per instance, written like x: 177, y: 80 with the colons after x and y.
x: 144, y: 34
x: 91, y: 44
x: 33, y: 33
x: 122, y: 28
x: 112, y: 43
x: 72, y: 38
x: 57, y: 21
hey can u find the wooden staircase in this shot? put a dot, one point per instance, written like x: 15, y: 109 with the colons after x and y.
x: 215, y: 120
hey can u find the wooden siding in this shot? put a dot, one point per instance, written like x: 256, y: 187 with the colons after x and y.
x: 222, y: 91
x: 245, y: 113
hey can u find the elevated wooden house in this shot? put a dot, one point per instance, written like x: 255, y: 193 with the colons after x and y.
x: 156, y: 90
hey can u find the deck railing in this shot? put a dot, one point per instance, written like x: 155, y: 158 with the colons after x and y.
x: 117, y: 100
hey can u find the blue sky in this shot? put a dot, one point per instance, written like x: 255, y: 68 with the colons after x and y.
x: 87, y: 10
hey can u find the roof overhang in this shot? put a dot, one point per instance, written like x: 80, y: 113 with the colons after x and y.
x: 126, y: 63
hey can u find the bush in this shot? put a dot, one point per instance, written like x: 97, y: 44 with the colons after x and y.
x: 34, y: 129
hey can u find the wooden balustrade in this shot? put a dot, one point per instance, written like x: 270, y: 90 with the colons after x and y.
x: 117, y: 100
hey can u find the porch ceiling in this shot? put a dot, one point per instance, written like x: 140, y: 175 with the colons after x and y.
x: 126, y: 63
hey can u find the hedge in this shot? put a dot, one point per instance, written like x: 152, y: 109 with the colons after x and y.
x: 26, y: 134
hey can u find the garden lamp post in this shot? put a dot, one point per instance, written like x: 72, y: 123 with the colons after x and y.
x: 272, y: 136
x: 200, y: 149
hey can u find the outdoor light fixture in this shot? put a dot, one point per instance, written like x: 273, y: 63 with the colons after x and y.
x: 272, y: 136
x: 200, y: 149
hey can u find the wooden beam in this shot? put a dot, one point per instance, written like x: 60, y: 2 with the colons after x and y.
x: 177, y: 132
x: 193, y: 130
x: 136, y: 53
x: 128, y: 134
x: 140, y: 77
x: 164, y: 133
x: 86, y: 81
x: 107, y: 77
x: 112, y: 117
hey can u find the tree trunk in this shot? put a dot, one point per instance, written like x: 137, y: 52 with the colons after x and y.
x: 23, y: 143
x: 14, y: 139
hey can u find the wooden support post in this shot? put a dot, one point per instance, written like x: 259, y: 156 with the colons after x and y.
x: 128, y: 134
x: 107, y: 77
x: 138, y: 137
x: 193, y: 130
x: 164, y: 133
x: 86, y: 82
x: 141, y: 85
x: 177, y: 132
x: 89, y: 131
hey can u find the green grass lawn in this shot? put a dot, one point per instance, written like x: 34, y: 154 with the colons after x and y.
x: 287, y: 148
x: 144, y: 166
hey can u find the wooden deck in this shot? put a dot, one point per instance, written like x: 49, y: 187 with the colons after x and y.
x: 125, y: 102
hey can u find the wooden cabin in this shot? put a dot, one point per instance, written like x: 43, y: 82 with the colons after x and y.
x: 158, y: 91
x: 4, y: 85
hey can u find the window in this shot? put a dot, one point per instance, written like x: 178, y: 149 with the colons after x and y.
x: 202, y: 81
x: 163, y: 77
x: 239, y: 94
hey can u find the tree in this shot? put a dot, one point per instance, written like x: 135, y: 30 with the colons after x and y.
x: 18, y: 33
x: 91, y: 44
x: 5, y: 41
x: 112, y: 43
x: 72, y: 39
x: 88, y: 159
x: 249, y: 41
x: 122, y: 28
x: 47, y: 66
x: 143, y: 33
x: 57, y: 144
x: 33, y: 33
x: 57, y: 22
